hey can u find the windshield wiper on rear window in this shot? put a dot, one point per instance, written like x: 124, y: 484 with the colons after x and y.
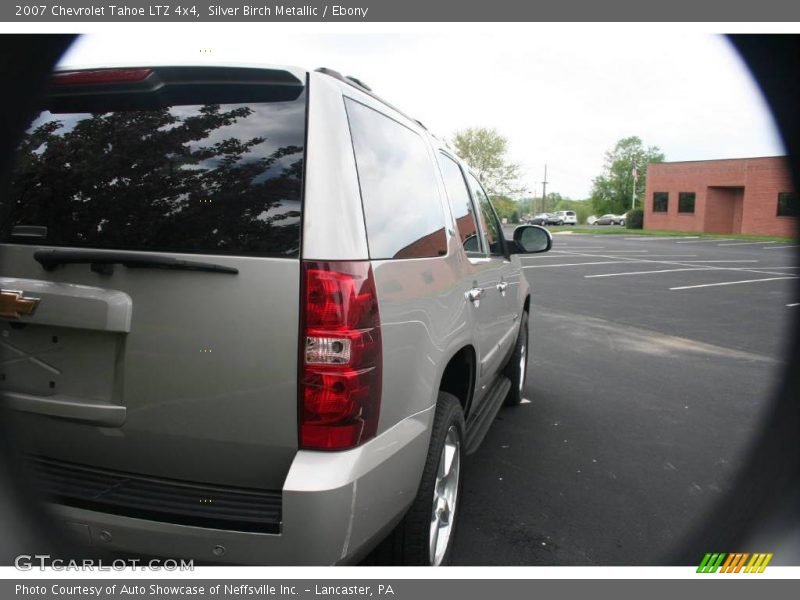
x: 103, y: 262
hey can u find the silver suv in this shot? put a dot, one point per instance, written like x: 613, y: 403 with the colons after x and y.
x: 566, y: 217
x: 253, y: 316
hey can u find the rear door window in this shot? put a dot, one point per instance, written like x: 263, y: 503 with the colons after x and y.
x: 194, y: 177
x: 489, y: 221
x: 403, y: 212
x: 461, y: 203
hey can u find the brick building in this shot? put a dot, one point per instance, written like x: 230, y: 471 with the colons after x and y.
x: 740, y: 195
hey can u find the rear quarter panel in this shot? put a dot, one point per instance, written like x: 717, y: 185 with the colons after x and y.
x: 423, y: 312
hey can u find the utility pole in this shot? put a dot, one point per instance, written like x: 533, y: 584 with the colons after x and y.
x: 533, y: 198
x: 544, y: 190
x: 635, y: 175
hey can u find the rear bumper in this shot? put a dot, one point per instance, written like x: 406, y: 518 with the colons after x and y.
x: 336, y: 507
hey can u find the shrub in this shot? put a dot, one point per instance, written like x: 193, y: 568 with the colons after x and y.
x: 635, y: 219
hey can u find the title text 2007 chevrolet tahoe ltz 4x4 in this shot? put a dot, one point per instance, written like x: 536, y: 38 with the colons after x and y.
x: 253, y: 315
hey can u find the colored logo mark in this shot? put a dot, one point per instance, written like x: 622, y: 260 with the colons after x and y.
x: 734, y: 563
x: 14, y: 304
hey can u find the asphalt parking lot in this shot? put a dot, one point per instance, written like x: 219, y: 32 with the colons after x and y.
x: 652, y: 361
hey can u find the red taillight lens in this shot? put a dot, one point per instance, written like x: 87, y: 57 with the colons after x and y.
x: 101, y: 76
x: 340, y: 381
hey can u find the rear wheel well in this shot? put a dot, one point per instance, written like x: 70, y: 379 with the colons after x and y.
x: 458, y: 378
x: 527, y: 306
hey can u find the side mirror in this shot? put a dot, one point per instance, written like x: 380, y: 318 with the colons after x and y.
x: 532, y: 239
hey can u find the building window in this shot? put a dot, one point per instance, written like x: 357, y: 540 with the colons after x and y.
x: 686, y: 202
x: 788, y: 204
x: 660, y: 201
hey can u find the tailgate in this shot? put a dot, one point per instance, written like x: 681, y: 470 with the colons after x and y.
x: 131, y: 359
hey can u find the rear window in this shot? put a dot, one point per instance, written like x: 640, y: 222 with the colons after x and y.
x: 192, y: 177
x: 402, y: 209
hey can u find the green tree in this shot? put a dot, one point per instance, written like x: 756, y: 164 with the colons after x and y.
x: 505, y: 207
x: 612, y: 189
x: 486, y: 151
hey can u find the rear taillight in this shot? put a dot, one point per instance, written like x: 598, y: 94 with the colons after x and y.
x: 100, y: 76
x: 340, y: 375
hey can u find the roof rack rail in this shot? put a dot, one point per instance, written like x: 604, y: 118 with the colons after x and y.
x: 358, y: 84
x: 347, y: 79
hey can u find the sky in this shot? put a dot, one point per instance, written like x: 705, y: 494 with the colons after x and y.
x: 562, y: 96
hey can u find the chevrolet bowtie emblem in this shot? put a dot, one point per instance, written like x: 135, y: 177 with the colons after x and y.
x: 14, y: 304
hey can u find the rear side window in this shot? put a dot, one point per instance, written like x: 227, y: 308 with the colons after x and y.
x: 403, y: 213
x: 463, y: 212
x: 491, y: 227
x: 196, y: 178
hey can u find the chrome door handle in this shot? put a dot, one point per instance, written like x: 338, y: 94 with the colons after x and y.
x: 501, y: 287
x: 474, y: 295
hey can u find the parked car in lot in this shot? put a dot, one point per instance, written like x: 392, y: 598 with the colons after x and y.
x: 609, y: 219
x: 565, y: 217
x: 591, y: 220
x: 539, y: 219
x: 546, y: 219
x: 267, y: 316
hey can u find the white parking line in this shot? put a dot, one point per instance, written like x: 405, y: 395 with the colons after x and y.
x: 573, y: 250
x: 649, y: 272
x: 557, y: 254
x: 793, y: 304
x: 704, y: 285
x: 779, y: 247
x: 708, y: 241
x: 660, y: 262
x: 745, y: 244
x: 606, y: 262
x: 699, y: 267
x: 644, y: 238
x: 757, y: 270
x: 615, y: 252
x: 721, y: 261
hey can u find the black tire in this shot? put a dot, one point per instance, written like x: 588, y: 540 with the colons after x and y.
x: 622, y: 223
x: 560, y: 223
x: 409, y: 543
x: 517, y: 365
